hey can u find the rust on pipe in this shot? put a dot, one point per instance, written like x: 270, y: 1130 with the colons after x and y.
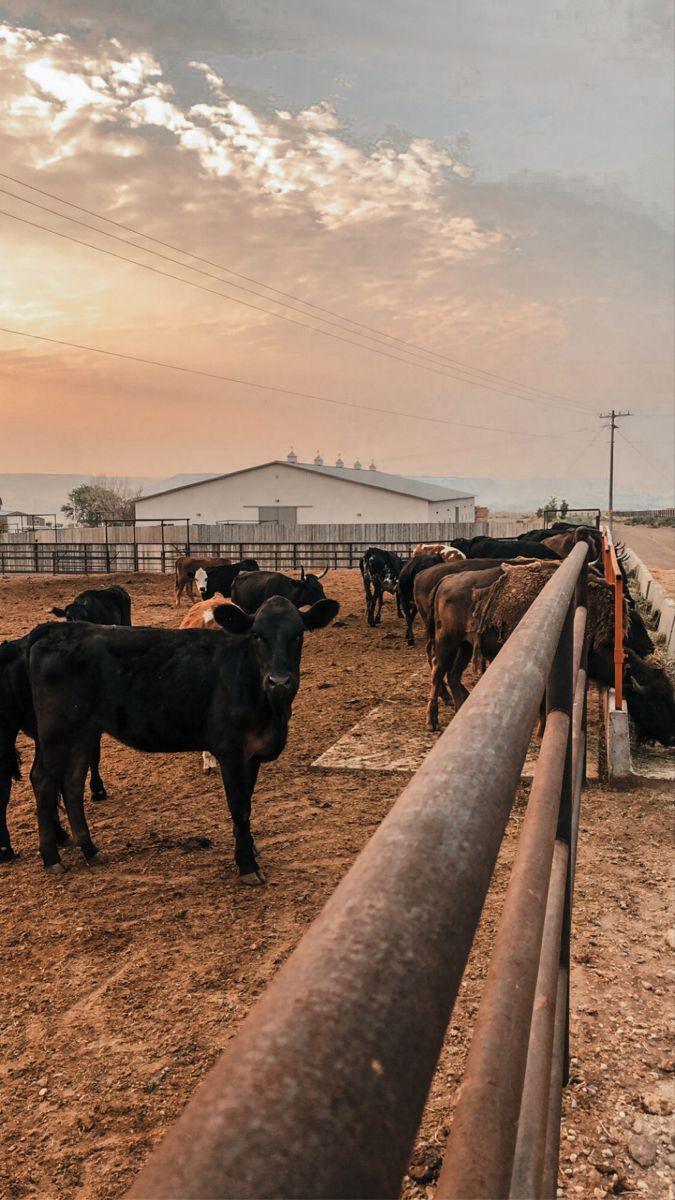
x: 529, y: 1158
x: 479, y: 1154
x: 552, y: 1152
x: 321, y: 1091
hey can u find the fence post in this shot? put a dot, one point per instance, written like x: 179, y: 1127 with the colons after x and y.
x: 163, y: 554
x: 36, y: 557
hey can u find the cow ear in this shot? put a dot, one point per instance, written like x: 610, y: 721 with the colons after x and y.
x: 232, y: 618
x: 58, y: 612
x: 320, y: 614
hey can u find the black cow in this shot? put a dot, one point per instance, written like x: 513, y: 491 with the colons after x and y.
x: 220, y: 579
x: 406, y: 582
x: 166, y: 690
x: 250, y: 590
x: 504, y: 549
x: 380, y: 570
x: 100, y: 606
x: 17, y: 714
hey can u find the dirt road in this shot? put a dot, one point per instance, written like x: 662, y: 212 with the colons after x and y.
x: 122, y: 984
x: 655, y: 547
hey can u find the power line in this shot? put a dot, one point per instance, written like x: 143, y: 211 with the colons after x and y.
x: 370, y: 330
x: 281, y: 316
x: 267, y: 387
x: 444, y: 372
x: 655, y: 466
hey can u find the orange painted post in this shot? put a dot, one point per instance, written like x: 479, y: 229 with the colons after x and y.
x: 613, y: 575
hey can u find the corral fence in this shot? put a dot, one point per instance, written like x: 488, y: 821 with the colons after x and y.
x: 117, y: 547
x: 322, y: 1090
x: 576, y: 516
x: 618, y: 514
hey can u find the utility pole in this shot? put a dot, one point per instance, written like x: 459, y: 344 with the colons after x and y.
x: 612, y: 418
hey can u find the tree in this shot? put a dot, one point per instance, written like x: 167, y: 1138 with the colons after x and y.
x: 90, y: 503
x: 554, y: 507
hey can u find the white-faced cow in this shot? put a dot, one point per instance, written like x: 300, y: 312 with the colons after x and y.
x: 166, y: 690
x: 186, y: 568
x: 213, y: 581
x: 201, y: 616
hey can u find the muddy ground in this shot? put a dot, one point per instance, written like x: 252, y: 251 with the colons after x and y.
x: 122, y: 984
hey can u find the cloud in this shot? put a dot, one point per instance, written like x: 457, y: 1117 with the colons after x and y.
x: 295, y: 163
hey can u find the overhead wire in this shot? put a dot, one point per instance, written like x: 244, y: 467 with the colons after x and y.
x: 370, y: 330
x: 267, y: 387
x: 444, y: 373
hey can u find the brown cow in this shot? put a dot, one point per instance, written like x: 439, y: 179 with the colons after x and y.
x: 200, y: 616
x: 186, y: 566
x: 476, y: 613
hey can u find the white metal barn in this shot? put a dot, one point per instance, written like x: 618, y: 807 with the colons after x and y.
x: 295, y: 493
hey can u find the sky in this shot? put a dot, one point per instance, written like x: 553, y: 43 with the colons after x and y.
x: 486, y: 187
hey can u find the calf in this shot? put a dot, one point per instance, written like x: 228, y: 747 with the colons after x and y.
x: 380, y: 570
x: 100, y: 606
x: 251, y: 589
x: 218, y: 580
x: 186, y: 568
x: 166, y: 690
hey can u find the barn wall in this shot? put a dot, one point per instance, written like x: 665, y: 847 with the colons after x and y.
x: 320, y: 500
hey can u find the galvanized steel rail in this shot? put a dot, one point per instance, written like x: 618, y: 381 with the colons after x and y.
x: 321, y: 1092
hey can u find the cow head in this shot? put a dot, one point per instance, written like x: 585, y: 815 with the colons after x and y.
x: 72, y: 612
x: 276, y: 632
x: 310, y: 591
x: 650, y: 700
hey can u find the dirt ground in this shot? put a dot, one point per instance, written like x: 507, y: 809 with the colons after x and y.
x: 123, y: 983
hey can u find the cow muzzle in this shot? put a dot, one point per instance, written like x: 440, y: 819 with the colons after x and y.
x: 280, y: 689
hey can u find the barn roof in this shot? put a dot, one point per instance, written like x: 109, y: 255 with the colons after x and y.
x: 422, y: 489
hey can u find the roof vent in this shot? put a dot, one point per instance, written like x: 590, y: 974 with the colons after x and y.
x: 357, y: 466
x: 372, y: 466
x: 339, y: 461
x: 291, y: 456
x: 318, y: 461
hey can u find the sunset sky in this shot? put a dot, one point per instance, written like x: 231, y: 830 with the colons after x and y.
x: 490, y: 182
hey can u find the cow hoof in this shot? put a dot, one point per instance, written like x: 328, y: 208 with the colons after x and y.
x: 253, y: 879
x: 99, y: 859
x: 98, y: 796
x: 56, y: 869
x: 7, y: 855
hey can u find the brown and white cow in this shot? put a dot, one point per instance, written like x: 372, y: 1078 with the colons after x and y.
x: 446, y: 553
x: 186, y: 566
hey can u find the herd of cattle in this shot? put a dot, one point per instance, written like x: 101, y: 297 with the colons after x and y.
x: 175, y: 690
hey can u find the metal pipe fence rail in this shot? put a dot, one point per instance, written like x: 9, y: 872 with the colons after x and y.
x: 105, y: 558
x: 322, y: 1090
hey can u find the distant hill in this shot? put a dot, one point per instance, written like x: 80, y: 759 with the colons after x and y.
x: 527, y: 495
x: 46, y: 493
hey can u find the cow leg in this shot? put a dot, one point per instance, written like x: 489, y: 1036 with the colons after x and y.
x: 96, y: 784
x: 45, y: 779
x: 410, y: 614
x: 74, y: 779
x: 454, y: 675
x: 9, y: 770
x: 379, y: 601
x: 369, y: 601
x: 399, y: 610
x: 437, y: 673
x: 239, y: 779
